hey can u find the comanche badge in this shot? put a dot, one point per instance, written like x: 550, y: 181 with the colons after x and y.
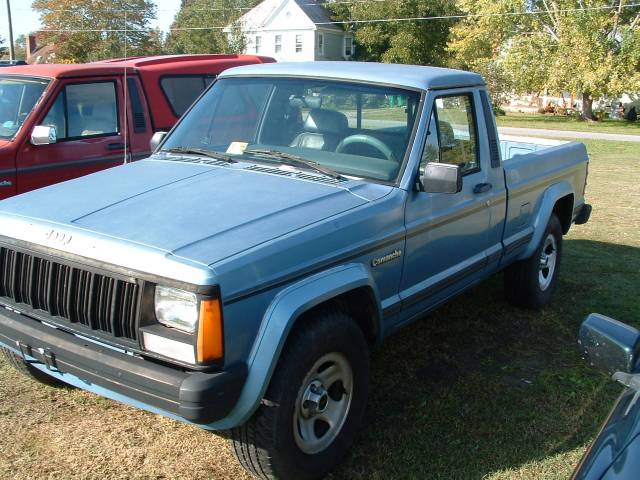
x: 387, y: 258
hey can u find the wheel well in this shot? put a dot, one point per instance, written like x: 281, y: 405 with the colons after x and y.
x: 564, y: 210
x: 359, y: 304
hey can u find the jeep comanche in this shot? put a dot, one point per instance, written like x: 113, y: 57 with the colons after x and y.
x: 296, y: 216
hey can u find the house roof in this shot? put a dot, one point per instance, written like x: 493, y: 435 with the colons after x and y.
x: 411, y: 76
x: 317, y: 13
x: 262, y: 13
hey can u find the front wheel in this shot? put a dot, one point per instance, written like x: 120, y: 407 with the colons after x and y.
x: 313, y: 406
x: 530, y: 283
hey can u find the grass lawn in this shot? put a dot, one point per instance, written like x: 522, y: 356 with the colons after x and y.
x: 558, y: 122
x: 479, y: 389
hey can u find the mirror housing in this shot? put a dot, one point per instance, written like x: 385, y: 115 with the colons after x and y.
x: 608, y: 344
x: 43, y: 135
x: 441, y: 178
x: 156, y: 140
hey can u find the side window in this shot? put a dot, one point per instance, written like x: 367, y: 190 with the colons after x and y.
x: 84, y: 110
x: 457, y: 135
x: 431, y: 152
x: 182, y: 91
x: 56, y: 117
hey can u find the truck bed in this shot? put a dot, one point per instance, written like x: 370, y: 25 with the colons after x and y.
x: 532, y: 166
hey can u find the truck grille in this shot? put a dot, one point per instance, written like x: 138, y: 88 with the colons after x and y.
x: 96, y: 301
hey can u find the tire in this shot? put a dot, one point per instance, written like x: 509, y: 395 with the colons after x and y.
x: 527, y: 283
x: 287, y: 438
x: 24, y: 368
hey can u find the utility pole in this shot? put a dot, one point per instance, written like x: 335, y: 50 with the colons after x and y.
x: 12, y: 51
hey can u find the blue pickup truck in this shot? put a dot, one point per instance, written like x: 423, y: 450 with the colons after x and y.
x: 295, y: 217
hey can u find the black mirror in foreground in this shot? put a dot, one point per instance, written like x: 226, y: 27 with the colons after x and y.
x: 441, y: 178
x: 609, y: 345
x: 156, y: 140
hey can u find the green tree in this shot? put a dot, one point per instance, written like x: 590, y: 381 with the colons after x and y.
x: 86, y: 31
x: 420, y: 42
x: 3, y: 49
x: 203, y: 22
x: 20, y: 47
x: 587, y: 46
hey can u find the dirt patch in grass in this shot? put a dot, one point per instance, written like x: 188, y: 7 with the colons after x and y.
x: 477, y: 390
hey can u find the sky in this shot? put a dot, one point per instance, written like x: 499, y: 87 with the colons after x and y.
x: 26, y: 20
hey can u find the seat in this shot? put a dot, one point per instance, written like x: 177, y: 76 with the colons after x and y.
x: 322, y: 130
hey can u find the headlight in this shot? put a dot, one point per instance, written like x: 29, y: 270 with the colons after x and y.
x: 176, y: 308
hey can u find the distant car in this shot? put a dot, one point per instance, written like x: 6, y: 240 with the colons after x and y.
x: 59, y: 122
x: 614, y: 347
x: 11, y: 63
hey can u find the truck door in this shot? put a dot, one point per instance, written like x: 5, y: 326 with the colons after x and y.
x: 88, y: 117
x: 448, y: 234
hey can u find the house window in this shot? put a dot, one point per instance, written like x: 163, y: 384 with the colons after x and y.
x: 321, y: 44
x: 348, y: 46
x: 298, y: 43
x: 258, y: 43
x: 278, y: 43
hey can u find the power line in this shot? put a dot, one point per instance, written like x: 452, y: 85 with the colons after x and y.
x: 120, y: 10
x: 379, y: 20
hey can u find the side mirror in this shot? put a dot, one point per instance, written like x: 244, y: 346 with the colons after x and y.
x: 156, y: 140
x: 441, y: 178
x: 43, y: 135
x: 609, y: 345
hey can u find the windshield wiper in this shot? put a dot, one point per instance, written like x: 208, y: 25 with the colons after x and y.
x: 201, y: 151
x: 294, y: 160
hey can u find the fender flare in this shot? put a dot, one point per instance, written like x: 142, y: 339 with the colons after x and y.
x: 547, y: 203
x: 279, y: 318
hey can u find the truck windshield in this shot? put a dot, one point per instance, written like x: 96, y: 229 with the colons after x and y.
x: 353, y: 129
x: 18, y: 95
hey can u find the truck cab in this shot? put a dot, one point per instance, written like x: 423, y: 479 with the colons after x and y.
x: 59, y: 122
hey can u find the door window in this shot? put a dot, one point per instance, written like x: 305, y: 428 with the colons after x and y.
x: 452, y: 135
x: 84, y: 110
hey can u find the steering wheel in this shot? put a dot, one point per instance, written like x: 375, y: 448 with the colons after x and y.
x: 367, y: 140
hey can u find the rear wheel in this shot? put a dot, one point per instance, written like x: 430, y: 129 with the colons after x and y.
x: 24, y: 368
x: 531, y: 283
x: 313, y: 406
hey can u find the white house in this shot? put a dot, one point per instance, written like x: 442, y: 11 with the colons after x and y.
x: 294, y: 31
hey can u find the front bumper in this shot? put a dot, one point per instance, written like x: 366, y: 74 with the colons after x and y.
x: 197, y: 397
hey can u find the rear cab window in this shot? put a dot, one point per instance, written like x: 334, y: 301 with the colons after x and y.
x: 182, y: 90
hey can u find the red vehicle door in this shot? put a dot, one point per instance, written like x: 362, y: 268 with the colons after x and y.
x: 88, y: 116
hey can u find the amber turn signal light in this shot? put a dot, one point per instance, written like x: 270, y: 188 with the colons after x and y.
x: 210, y: 341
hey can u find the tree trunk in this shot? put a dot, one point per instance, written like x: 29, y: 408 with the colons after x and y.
x: 587, y: 107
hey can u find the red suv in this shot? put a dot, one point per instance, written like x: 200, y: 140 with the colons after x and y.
x: 59, y: 122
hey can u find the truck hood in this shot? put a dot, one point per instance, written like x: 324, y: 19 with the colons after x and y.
x: 196, y: 212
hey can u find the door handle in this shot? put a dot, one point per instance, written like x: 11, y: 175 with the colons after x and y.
x: 115, y: 146
x: 482, y: 188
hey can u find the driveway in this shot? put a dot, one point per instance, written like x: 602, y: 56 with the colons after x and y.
x: 618, y: 137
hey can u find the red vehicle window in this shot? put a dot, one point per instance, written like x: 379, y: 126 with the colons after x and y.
x: 85, y: 110
x: 182, y: 90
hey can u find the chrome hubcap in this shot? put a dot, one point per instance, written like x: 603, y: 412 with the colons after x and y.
x: 548, y: 259
x: 323, y: 403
